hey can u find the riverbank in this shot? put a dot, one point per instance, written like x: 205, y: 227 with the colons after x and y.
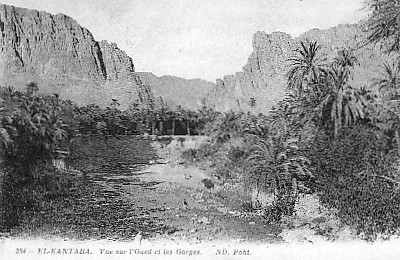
x: 129, y: 190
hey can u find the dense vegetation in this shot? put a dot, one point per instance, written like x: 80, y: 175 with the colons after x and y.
x: 37, y: 129
x: 324, y: 137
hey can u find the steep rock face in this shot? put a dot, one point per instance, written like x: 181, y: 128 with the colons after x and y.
x: 178, y: 91
x: 45, y: 45
x: 63, y: 58
x: 262, y: 79
x: 262, y: 83
x: 117, y: 64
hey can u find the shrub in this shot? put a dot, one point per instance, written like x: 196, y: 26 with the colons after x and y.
x: 356, y: 175
x: 276, y: 166
x: 284, y: 205
x: 30, y: 132
x: 204, y: 152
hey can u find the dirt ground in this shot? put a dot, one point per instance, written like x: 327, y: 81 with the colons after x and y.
x: 195, y: 212
x: 140, y: 189
x: 136, y: 188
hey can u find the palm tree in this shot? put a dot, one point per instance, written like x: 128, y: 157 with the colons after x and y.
x: 388, y: 85
x: 253, y: 102
x: 341, y: 104
x: 276, y: 164
x: 170, y: 116
x: 161, y: 114
x: 387, y: 118
x: 32, y: 88
x: 306, y: 66
x: 387, y: 111
x: 114, y: 104
x: 162, y: 117
x: 345, y: 59
x: 180, y: 114
x: 284, y: 115
x: 7, y: 92
x: 153, y: 119
x: 188, y: 118
x: 225, y: 127
x: 383, y: 26
x: 138, y: 113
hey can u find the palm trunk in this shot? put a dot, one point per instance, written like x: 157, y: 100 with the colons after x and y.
x: 188, y: 127
x: 152, y: 127
x: 161, y: 127
x: 295, y: 187
x: 147, y: 124
x: 397, y: 140
x: 173, y: 127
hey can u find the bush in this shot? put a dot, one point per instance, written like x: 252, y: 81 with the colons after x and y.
x: 30, y: 132
x: 226, y: 160
x: 15, y: 199
x: 353, y: 173
x: 19, y: 197
x: 205, y: 152
x: 284, y: 205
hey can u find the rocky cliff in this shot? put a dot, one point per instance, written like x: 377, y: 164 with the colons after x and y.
x: 262, y: 82
x: 62, y: 57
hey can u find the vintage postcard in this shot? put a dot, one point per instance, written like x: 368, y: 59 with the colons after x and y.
x: 220, y: 129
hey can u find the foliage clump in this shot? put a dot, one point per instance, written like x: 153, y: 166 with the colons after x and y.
x: 357, y: 175
x: 328, y: 137
x: 37, y: 131
x: 31, y: 132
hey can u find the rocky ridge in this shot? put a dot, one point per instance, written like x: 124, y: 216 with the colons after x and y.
x: 262, y: 78
x: 176, y: 91
x: 63, y: 58
x: 262, y: 82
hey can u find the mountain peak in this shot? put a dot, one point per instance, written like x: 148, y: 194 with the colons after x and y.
x: 263, y: 40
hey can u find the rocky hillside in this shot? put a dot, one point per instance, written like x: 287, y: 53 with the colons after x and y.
x: 177, y: 91
x: 63, y: 58
x: 262, y: 82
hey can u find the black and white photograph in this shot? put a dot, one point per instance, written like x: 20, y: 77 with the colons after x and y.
x: 219, y: 129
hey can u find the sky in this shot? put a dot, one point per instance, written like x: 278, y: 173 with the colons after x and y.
x: 204, y: 39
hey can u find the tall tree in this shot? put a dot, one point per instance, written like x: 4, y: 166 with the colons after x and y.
x: 383, y: 25
x: 389, y: 83
x: 387, y: 110
x: 306, y: 67
x: 341, y: 103
x: 114, y: 104
x: 253, y: 102
x: 32, y: 88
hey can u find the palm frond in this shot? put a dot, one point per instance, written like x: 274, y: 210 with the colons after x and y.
x: 383, y: 25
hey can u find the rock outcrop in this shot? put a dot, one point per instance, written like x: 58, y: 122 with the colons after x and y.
x: 117, y: 64
x: 41, y: 44
x: 63, y: 58
x: 262, y: 80
x: 262, y: 83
